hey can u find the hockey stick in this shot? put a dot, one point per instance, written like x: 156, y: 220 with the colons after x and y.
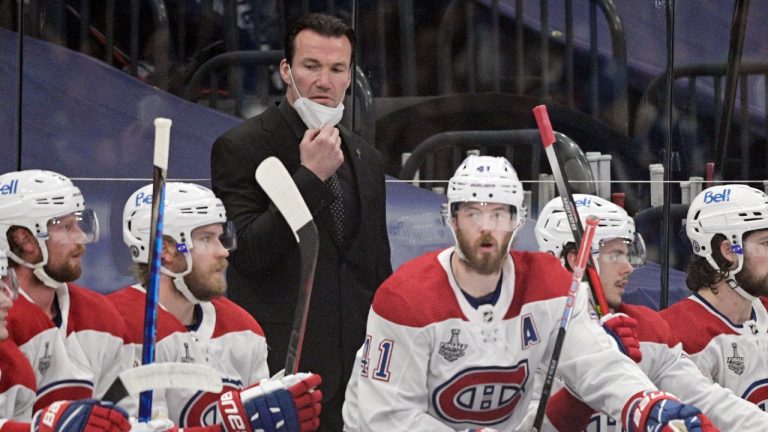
x: 162, y: 143
x: 578, y: 272
x: 548, y: 139
x: 279, y: 186
x: 157, y: 376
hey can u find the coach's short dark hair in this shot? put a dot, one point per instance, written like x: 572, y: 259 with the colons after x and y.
x: 322, y: 24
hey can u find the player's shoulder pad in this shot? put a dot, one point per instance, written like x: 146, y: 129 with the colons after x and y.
x: 230, y: 317
x: 14, y: 368
x: 539, y: 276
x: 695, y: 338
x: 89, y: 310
x: 26, y: 320
x: 130, y: 304
x: 651, y: 327
x: 417, y: 294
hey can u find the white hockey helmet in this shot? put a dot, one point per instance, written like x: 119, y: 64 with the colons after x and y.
x: 485, y: 179
x: 730, y: 210
x: 9, y: 286
x: 36, y: 200
x: 553, y: 231
x: 187, y: 206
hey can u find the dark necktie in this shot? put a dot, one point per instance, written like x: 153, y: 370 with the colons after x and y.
x: 337, y: 207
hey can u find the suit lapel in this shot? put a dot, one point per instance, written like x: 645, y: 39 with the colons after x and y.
x: 358, y: 163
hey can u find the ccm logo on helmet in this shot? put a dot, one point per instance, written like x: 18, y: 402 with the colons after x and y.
x: 483, y: 395
x: 9, y: 188
x: 142, y: 199
x: 710, y: 197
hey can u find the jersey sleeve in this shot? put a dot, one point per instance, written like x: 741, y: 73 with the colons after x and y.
x: 393, y: 394
x: 591, y: 366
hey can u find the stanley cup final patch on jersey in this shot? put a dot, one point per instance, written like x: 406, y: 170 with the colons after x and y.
x: 453, y: 349
x: 187, y: 358
x: 736, y: 362
x: 44, y: 363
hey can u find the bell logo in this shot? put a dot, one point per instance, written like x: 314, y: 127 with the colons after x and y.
x: 711, y: 197
x: 584, y: 202
x: 143, y: 199
x: 9, y: 188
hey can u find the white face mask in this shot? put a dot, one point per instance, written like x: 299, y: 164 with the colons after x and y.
x: 313, y: 114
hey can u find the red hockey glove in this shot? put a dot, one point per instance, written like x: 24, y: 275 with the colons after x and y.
x: 623, y: 329
x: 291, y: 404
x: 86, y: 415
x: 660, y: 411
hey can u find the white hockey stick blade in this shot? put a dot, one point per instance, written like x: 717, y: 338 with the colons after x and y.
x: 272, y: 175
x: 171, y: 375
x: 162, y: 142
x: 281, y: 189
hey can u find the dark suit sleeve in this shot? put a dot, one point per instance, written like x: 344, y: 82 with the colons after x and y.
x: 263, y: 236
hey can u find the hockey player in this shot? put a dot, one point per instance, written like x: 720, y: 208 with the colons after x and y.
x: 17, y: 381
x: 72, y: 337
x: 196, y: 323
x: 617, y: 249
x: 17, y: 384
x: 454, y: 337
x: 724, y: 324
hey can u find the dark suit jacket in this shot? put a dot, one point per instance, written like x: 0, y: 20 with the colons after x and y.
x: 264, y: 272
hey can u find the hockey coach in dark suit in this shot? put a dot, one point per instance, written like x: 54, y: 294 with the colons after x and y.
x: 341, y: 178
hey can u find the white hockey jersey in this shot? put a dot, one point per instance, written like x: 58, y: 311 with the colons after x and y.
x: 732, y: 355
x: 227, y: 339
x: 79, y: 358
x: 670, y: 368
x: 17, y: 384
x: 432, y: 362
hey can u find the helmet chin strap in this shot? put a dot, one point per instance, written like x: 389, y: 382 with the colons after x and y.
x: 38, y: 269
x: 178, y: 280
x: 731, y: 280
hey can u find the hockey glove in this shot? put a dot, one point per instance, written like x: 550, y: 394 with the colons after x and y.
x: 660, y: 411
x: 623, y: 329
x: 290, y: 404
x: 86, y: 415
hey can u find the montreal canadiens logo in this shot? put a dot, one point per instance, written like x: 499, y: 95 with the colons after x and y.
x: 484, y: 395
x: 201, y: 408
x: 757, y: 393
x: 63, y: 390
